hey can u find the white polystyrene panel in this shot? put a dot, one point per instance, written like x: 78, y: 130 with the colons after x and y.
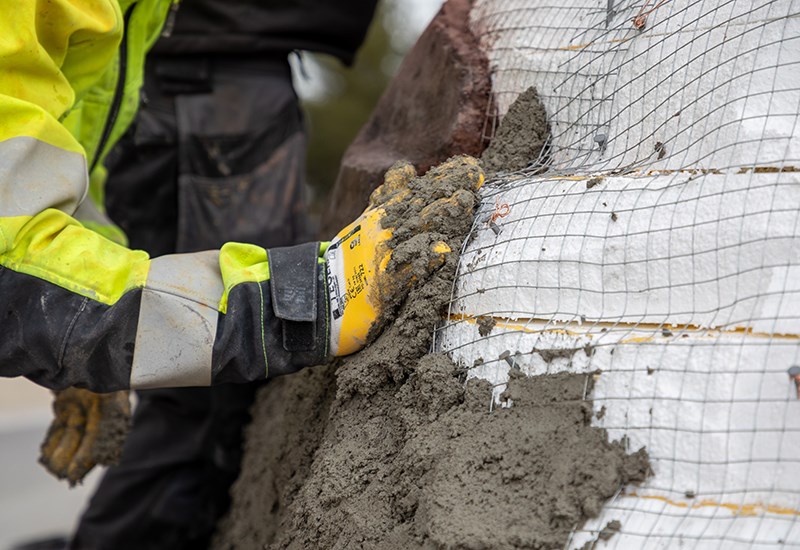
x: 715, y: 82
x: 711, y: 250
x: 715, y: 410
x: 687, y: 304
x: 673, y: 282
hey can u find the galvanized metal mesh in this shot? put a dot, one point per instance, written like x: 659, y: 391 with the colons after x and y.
x: 655, y: 248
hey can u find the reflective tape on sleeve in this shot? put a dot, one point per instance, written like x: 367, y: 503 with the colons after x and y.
x: 177, y: 322
x: 35, y: 175
x: 174, y: 341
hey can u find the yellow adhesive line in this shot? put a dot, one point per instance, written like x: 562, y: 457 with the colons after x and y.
x: 508, y: 324
x: 522, y: 325
x: 575, y: 47
x: 667, y: 172
x: 636, y: 172
x: 769, y: 169
x: 691, y: 171
x: 742, y: 170
x: 652, y: 35
x: 746, y: 510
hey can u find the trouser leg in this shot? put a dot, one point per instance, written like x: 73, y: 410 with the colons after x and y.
x: 156, y: 490
x: 179, y: 462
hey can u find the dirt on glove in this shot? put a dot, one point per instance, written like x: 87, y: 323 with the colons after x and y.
x: 88, y: 429
x: 391, y: 448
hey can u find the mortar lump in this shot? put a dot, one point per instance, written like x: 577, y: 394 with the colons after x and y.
x: 521, y: 136
x: 390, y: 448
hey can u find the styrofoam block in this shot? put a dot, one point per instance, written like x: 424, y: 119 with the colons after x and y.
x: 714, y: 83
x: 708, y: 250
x: 712, y: 255
x: 715, y: 410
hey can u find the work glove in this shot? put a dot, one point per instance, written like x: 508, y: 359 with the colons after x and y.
x: 87, y: 429
x: 400, y: 238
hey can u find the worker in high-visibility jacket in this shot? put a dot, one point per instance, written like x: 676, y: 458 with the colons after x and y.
x: 216, y: 153
x: 81, y: 309
x: 78, y: 307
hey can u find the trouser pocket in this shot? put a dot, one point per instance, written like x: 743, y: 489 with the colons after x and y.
x: 242, y: 163
x: 265, y: 206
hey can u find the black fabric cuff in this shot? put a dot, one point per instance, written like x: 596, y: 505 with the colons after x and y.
x: 57, y: 338
x: 250, y: 336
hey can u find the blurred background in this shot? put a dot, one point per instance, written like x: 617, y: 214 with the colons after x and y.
x: 337, y: 101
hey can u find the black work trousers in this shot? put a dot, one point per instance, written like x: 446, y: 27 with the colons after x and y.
x: 217, y: 154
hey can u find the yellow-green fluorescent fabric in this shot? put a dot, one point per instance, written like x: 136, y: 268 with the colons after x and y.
x: 77, y: 307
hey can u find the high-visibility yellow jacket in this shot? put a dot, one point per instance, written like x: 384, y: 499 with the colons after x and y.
x: 77, y: 308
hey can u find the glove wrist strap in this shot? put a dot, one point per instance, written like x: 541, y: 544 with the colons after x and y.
x: 294, y: 274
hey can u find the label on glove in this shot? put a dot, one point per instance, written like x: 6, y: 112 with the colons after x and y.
x: 336, y: 298
x: 347, y: 280
x: 353, y: 262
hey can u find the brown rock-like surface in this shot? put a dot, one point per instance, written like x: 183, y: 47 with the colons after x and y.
x: 434, y: 108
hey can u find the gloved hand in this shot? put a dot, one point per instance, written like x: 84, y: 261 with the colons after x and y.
x: 88, y: 429
x: 403, y: 222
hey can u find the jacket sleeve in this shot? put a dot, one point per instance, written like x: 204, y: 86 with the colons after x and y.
x: 77, y: 309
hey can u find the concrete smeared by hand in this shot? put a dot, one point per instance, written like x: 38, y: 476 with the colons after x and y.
x: 395, y: 450
x: 521, y: 136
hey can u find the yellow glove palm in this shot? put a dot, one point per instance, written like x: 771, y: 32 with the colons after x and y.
x: 361, y: 281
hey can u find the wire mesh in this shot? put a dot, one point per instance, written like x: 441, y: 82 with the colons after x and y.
x: 656, y: 248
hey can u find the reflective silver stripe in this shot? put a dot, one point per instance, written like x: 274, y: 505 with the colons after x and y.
x: 35, y: 175
x: 194, y: 276
x: 173, y: 342
x: 178, y: 321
